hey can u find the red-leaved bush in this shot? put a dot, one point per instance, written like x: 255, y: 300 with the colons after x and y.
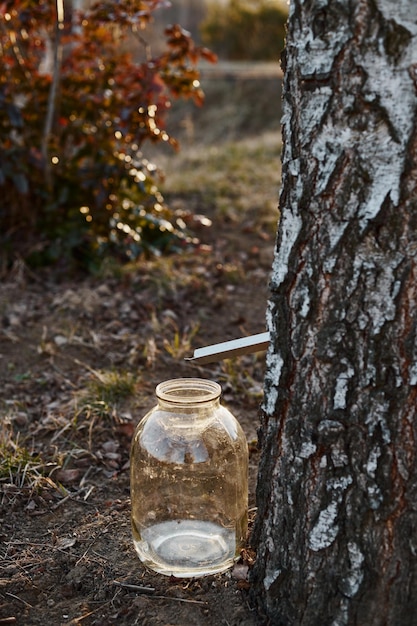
x: 76, y: 107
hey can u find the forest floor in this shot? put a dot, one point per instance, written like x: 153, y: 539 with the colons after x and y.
x: 79, y: 362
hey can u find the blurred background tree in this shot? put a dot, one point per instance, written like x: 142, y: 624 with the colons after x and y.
x: 245, y: 30
x: 75, y: 109
x: 240, y: 30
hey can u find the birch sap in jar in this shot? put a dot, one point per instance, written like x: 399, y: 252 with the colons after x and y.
x: 189, y: 481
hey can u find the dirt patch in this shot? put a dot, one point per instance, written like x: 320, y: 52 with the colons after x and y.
x: 79, y: 361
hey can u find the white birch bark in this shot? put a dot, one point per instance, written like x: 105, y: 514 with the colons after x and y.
x: 336, y: 531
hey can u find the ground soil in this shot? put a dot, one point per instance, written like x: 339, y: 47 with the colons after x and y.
x: 66, y: 550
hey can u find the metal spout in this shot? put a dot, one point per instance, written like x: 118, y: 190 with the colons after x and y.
x: 230, y: 349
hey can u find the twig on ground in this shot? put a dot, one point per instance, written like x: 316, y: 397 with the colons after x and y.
x: 150, y: 590
x: 179, y: 599
x: 137, y: 588
x: 77, y: 620
x: 20, y: 599
x: 61, y: 502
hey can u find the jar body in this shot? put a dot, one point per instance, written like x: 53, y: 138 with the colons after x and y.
x: 189, y: 482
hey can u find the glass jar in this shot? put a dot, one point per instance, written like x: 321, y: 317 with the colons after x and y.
x: 189, y: 481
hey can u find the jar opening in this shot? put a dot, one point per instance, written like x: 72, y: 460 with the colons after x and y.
x: 188, y: 390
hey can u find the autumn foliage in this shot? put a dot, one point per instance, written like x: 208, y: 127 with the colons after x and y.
x: 76, y: 107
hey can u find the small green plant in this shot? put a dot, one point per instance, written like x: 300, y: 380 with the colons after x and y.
x: 19, y: 466
x: 181, y: 343
x: 111, y: 387
x: 104, y: 391
x: 76, y: 108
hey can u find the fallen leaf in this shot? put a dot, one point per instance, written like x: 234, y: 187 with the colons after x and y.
x: 126, y: 429
x: 240, y: 571
x: 110, y: 446
x: 243, y: 584
x: 67, y: 475
x: 60, y: 340
x: 65, y: 542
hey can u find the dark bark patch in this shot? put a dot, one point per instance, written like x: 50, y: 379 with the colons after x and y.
x: 396, y: 39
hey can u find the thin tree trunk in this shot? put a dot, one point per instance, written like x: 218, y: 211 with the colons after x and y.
x: 336, y: 530
x: 53, y: 90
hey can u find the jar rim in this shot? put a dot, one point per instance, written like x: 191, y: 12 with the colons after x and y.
x: 188, y: 390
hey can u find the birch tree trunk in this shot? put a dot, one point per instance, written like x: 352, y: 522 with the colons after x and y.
x: 336, y: 530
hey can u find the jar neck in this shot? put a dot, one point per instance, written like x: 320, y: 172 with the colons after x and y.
x: 188, y: 394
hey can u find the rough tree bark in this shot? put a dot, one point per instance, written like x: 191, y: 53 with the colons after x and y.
x: 336, y: 530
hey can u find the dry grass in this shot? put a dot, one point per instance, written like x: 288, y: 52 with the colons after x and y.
x: 233, y: 176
